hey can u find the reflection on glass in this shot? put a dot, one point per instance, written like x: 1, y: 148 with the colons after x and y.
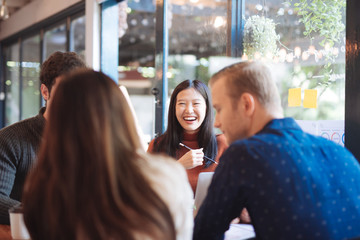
x: 12, y: 68
x: 197, y: 37
x: 77, y: 36
x: 136, y: 58
x: 55, y: 40
x: 309, y: 54
x: 305, y: 53
x: 30, y: 77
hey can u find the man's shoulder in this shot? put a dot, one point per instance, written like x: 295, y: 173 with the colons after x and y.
x: 335, y: 148
x: 257, y: 148
x: 23, y: 127
x: 238, y: 150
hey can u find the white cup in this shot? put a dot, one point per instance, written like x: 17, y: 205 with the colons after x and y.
x: 17, y: 225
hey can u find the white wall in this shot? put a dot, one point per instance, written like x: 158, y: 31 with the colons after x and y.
x: 33, y: 13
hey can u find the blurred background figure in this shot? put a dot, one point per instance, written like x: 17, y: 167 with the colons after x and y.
x: 20, y: 142
x: 93, y: 179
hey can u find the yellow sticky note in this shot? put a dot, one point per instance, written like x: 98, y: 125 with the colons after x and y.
x: 310, y: 98
x: 294, y: 98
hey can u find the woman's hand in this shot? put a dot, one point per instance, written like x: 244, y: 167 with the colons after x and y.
x: 192, y: 158
x: 245, y: 217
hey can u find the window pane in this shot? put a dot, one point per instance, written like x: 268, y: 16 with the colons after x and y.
x: 136, y: 58
x: 310, y: 62
x: 197, y: 33
x: 307, y: 56
x: 77, y: 36
x: 55, y: 40
x: 12, y: 76
x: 30, y: 73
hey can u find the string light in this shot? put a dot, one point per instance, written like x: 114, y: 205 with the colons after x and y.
x: 297, y: 52
x: 305, y: 56
x: 290, y: 57
x: 257, y: 55
x: 219, y: 21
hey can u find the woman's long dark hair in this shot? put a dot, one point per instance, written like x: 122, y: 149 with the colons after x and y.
x: 88, y: 182
x: 169, y: 141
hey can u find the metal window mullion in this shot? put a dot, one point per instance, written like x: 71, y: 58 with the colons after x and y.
x: 161, y: 52
x: 68, y: 22
x: 236, y: 16
x: 42, y: 101
x: 2, y: 86
x: 352, y: 81
x: 109, y: 43
x: 165, y: 63
x: 20, y: 77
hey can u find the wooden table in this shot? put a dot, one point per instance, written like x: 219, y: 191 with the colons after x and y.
x: 5, y: 233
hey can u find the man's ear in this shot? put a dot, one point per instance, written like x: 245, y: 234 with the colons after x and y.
x: 44, y: 92
x: 248, y: 103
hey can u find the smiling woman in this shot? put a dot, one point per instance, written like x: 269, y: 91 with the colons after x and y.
x: 190, y: 122
x: 190, y: 110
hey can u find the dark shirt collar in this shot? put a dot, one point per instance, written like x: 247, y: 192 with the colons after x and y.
x: 42, y: 111
x: 40, y: 116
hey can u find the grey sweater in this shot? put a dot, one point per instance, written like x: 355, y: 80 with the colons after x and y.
x: 19, y: 144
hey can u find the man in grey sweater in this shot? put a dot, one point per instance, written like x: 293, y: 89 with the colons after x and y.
x: 20, y: 142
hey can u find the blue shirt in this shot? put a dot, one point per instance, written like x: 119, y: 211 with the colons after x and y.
x: 294, y: 185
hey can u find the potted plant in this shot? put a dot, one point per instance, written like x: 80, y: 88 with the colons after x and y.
x: 260, y: 38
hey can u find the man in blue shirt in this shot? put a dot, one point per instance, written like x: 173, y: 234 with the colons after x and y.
x: 293, y: 184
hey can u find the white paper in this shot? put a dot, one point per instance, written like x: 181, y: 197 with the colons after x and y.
x: 239, y: 232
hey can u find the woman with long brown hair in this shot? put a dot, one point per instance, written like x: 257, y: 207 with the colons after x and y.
x: 93, y: 180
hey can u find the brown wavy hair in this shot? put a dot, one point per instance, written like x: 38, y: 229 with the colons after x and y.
x: 88, y: 182
x: 57, y: 64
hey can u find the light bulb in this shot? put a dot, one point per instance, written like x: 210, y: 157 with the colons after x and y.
x: 4, y: 12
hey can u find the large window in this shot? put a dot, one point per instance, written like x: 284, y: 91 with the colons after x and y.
x: 77, y: 35
x: 309, y: 54
x: 302, y: 41
x: 55, y: 40
x: 197, y: 38
x: 23, y: 57
x: 136, y: 58
x: 30, y: 77
x: 12, y: 83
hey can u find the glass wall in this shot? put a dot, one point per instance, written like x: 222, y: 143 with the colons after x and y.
x: 304, y: 42
x: 12, y: 84
x: 22, y: 64
x: 77, y: 36
x: 136, y: 58
x: 55, y: 40
x: 30, y: 77
x: 306, y: 54
x: 197, y: 38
